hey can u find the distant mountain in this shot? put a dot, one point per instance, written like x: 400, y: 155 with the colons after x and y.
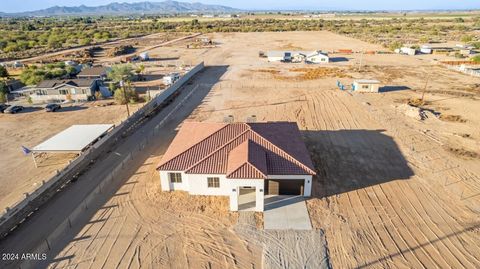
x: 127, y: 8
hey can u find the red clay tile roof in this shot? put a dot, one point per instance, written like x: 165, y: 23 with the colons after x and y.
x: 239, y: 150
x: 247, y: 160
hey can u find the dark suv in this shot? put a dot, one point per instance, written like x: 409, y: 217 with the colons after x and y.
x: 13, y: 109
x: 52, y: 107
x: 3, y: 107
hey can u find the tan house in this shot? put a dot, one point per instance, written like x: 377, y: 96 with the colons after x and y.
x: 68, y: 89
x: 247, y: 162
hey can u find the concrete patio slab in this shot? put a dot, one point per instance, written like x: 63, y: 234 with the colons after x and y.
x: 284, y: 212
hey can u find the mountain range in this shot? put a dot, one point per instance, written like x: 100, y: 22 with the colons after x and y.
x: 116, y: 8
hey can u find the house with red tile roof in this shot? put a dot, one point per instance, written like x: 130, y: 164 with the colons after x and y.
x: 245, y: 161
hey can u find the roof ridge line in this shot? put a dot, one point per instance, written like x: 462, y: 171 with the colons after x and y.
x: 288, y: 155
x: 247, y: 162
x: 224, y: 145
x: 194, y: 145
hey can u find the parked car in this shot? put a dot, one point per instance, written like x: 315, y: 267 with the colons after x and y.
x: 13, y: 109
x: 52, y: 107
x: 3, y: 107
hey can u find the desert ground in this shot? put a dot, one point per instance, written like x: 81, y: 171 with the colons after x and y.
x: 34, y: 125
x: 397, y: 186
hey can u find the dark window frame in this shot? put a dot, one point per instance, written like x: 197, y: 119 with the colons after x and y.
x: 175, y: 177
x: 213, y: 182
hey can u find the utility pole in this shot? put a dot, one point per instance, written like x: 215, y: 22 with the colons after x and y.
x: 425, y: 87
x: 361, y: 60
x: 122, y: 84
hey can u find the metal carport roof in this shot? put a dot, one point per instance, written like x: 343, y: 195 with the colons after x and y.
x: 73, y: 139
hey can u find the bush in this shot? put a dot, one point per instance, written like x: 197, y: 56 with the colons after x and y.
x: 3, y: 72
x: 476, y: 59
x: 130, y: 93
x: 3, y: 97
x: 466, y: 38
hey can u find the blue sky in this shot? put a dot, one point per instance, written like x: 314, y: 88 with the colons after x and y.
x: 26, y: 5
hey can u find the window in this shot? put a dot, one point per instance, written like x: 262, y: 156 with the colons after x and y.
x: 213, y: 182
x: 365, y: 86
x: 175, y: 177
x: 41, y: 92
x: 64, y: 92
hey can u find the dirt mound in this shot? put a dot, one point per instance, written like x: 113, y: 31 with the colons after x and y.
x: 463, y: 153
x: 452, y: 118
x: 416, y: 112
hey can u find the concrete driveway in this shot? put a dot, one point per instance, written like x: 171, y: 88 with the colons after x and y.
x: 284, y: 212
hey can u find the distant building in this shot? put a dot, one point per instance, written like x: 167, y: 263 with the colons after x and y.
x: 279, y: 56
x: 298, y: 56
x: 144, y: 56
x: 408, y: 51
x: 62, y: 90
x: 366, y: 85
x: 96, y: 72
x: 426, y: 49
x: 317, y: 57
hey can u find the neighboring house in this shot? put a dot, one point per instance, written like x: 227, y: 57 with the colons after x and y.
x: 61, y: 90
x: 238, y: 160
x: 366, y: 85
x: 297, y: 56
x: 96, y: 72
x: 317, y: 57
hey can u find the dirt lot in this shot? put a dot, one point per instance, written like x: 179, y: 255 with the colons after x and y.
x: 389, y: 193
x: 32, y: 127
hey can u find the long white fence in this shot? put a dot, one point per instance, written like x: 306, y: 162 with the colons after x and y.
x: 18, y: 213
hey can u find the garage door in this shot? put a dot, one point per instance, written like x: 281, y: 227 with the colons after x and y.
x: 284, y: 186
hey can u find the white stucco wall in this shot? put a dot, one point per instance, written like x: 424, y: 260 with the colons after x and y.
x: 318, y: 59
x: 307, y: 188
x: 371, y: 87
x: 198, y: 184
x: 169, y: 186
x: 235, y: 191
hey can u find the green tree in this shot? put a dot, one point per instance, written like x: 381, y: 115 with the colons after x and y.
x: 3, y: 97
x: 476, y: 59
x: 128, y: 92
x: 3, y: 92
x: 121, y: 72
x: 3, y: 72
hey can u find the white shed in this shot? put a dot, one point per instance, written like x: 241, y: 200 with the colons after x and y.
x: 408, y: 51
x: 279, y: 56
x: 426, y: 49
x: 366, y: 85
x: 317, y: 57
